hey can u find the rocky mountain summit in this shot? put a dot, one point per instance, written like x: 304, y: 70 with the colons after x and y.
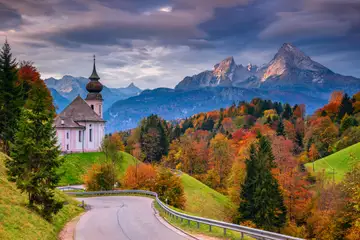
x: 290, y: 69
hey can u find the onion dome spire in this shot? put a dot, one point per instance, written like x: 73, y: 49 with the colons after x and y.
x: 94, y: 87
x: 94, y: 75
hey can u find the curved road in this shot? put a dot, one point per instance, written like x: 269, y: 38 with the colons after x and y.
x: 125, y: 218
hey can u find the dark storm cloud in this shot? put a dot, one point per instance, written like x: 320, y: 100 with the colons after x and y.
x: 9, y: 18
x: 151, y: 40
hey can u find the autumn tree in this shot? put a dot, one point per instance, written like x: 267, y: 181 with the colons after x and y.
x: 11, y: 98
x: 262, y: 201
x: 351, y: 190
x: 221, y: 157
x: 100, y: 177
x: 35, y: 152
x: 313, y: 155
x: 169, y: 188
x: 139, y: 177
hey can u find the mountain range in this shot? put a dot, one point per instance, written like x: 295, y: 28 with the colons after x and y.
x: 290, y: 69
x: 291, y: 76
x: 66, y: 89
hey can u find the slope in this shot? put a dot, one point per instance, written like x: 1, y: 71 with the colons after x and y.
x: 18, y: 222
x: 204, y: 201
x: 339, y: 162
x: 75, y: 165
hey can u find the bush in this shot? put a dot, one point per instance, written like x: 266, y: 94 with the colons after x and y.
x: 100, y: 177
x: 140, y: 176
x: 170, y: 188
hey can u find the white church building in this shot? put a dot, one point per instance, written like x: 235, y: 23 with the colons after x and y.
x: 80, y: 127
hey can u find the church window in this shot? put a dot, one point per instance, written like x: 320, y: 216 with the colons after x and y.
x: 92, y: 107
x: 100, y: 110
x: 79, y: 136
x: 67, y: 146
x: 90, y: 135
x: 67, y: 135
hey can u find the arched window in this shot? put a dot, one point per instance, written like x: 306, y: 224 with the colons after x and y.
x: 92, y: 107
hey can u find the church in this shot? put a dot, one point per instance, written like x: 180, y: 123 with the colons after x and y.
x: 80, y: 127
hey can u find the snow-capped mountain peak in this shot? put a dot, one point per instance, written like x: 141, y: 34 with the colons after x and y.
x: 288, y: 58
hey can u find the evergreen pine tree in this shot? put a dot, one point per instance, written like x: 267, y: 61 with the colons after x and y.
x: 153, y: 138
x: 287, y: 113
x: 280, y: 130
x: 345, y: 107
x: 11, y: 99
x: 35, y: 155
x: 262, y: 202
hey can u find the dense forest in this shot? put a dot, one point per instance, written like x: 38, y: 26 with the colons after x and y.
x: 254, y: 152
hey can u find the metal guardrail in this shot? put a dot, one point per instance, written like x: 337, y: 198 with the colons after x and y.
x: 252, y: 232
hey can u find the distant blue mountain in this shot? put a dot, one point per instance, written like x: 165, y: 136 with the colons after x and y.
x: 69, y: 87
x: 59, y: 101
x: 176, y: 104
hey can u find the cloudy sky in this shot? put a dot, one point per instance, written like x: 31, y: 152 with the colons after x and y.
x: 156, y: 43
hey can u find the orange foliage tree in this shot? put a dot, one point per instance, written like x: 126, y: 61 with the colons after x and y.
x: 141, y: 176
x: 221, y: 157
x: 100, y: 177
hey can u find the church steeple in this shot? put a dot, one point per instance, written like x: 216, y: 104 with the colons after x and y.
x: 94, y: 87
x: 94, y: 75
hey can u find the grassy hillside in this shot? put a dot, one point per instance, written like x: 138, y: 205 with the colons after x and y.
x: 340, y: 161
x: 18, y: 222
x: 75, y: 165
x: 204, y: 201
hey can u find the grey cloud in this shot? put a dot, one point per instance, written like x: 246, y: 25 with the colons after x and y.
x: 9, y: 18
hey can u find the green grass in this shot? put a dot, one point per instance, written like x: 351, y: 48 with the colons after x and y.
x: 204, y: 201
x: 340, y: 161
x: 75, y: 165
x: 18, y: 222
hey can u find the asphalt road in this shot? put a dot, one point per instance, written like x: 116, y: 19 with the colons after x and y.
x: 125, y: 218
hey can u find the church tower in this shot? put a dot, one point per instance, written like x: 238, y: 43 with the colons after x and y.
x: 94, y: 87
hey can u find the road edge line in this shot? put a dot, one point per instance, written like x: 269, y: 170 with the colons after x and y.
x: 161, y: 219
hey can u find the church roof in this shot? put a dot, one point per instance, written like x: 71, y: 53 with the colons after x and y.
x: 77, y: 111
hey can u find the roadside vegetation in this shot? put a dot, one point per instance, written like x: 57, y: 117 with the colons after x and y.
x: 76, y: 165
x: 17, y: 221
x: 203, y: 230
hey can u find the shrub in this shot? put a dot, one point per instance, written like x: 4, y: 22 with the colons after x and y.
x: 170, y: 188
x: 100, y: 177
x: 140, y: 176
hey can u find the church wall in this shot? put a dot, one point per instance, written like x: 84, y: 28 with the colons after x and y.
x: 98, y: 106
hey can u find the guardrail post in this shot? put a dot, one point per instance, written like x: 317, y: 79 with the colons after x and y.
x: 209, y: 228
x: 242, y: 236
x: 189, y: 222
x: 198, y: 225
x: 224, y: 231
x: 181, y: 219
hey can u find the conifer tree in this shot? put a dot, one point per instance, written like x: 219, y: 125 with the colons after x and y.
x: 345, y: 107
x: 262, y: 202
x: 154, y: 138
x: 280, y: 130
x: 11, y: 99
x: 287, y: 113
x: 35, y: 154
